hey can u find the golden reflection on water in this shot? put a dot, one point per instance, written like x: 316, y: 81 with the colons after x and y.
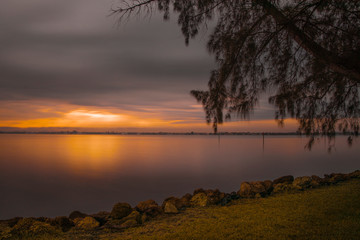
x: 66, y: 172
x: 92, y: 154
x: 101, y: 155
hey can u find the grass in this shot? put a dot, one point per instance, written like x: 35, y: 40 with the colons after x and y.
x: 324, y: 213
x: 331, y: 212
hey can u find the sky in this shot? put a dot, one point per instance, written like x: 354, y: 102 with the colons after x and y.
x: 68, y: 64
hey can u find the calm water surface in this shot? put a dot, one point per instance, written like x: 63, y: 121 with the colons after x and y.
x: 52, y: 175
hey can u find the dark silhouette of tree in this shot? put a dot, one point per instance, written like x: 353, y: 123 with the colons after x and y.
x: 306, y: 54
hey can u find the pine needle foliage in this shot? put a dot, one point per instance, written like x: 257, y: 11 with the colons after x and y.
x: 304, y: 53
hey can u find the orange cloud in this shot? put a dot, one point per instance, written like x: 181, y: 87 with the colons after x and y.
x: 37, y: 114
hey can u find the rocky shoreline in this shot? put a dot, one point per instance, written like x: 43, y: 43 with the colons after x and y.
x: 124, y: 216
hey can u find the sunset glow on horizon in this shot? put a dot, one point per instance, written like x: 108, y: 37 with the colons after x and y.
x: 32, y: 114
x: 137, y: 78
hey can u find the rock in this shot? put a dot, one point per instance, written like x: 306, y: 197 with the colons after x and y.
x: 247, y: 189
x: 133, y: 219
x: 11, y: 222
x: 226, y: 200
x: 187, y: 196
x: 302, y: 182
x: 284, y: 179
x: 199, y: 190
x: 145, y: 205
x: 199, y: 200
x: 150, y: 207
x: 214, y: 196
x: 283, y: 187
x: 251, y: 189
x: 129, y: 223
x: 77, y: 214
x: 120, y: 210
x: 316, y: 181
x: 101, y: 217
x: 76, y: 220
x: 145, y: 218
x: 185, y: 201
x: 134, y: 215
x: 87, y: 223
x: 269, y: 186
x: 43, y: 219
x: 173, y: 200
x: 4, y: 230
x: 30, y: 227
x: 170, y: 208
x: 334, y: 178
x: 62, y: 222
x: 258, y: 195
x: 208, y: 197
x: 234, y: 196
x: 355, y: 174
x: 113, y: 224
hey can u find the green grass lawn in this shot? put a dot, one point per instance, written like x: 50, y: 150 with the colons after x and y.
x: 326, y: 213
x: 329, y: 212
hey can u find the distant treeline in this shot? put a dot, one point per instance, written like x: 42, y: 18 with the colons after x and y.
x: 158, y: 133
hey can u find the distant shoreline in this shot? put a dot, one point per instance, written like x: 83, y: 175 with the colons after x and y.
x: 166, y: 133
x: 150, y: 133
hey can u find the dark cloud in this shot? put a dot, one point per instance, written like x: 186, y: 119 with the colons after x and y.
x: 73, y: 52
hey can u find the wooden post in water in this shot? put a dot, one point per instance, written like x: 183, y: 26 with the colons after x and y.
x: 219, y: 138
x: 263, y: 135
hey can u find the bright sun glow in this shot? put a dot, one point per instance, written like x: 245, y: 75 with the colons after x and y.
x: 53, y: 114
x: 94, y: 115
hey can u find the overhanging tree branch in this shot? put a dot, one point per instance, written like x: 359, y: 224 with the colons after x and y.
x: 347, y: 66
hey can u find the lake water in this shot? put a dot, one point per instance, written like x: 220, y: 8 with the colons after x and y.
x: 52, y: 175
